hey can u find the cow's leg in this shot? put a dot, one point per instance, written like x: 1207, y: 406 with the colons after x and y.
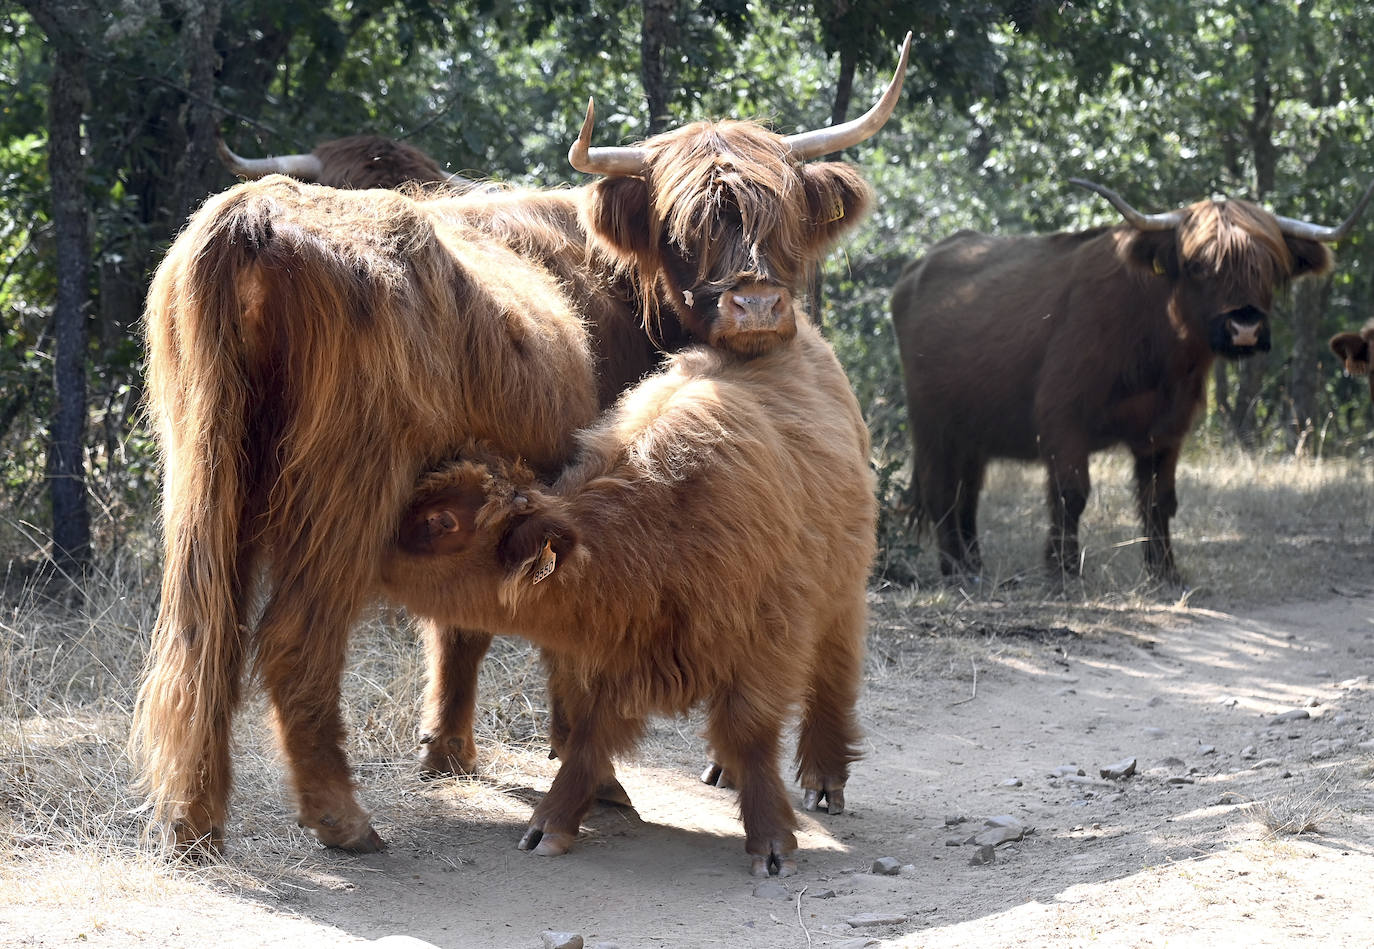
x: 943, y: 493
x: 744, y: 727
x: 596, y: 733
x: 1068, y: 496
x: 829, y: 733
x: 1157, y: 500
x: 560, y: 727
x: 302, y: 638
x: 970, y: 487
x: 449, y: 746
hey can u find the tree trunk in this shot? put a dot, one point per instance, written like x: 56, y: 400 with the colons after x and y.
x: 656, y: 36
x: 1311, y: 297
x: 71, y: 522
x: 198, y: 44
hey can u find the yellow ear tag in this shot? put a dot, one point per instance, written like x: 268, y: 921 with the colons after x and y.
x: 1159, y: 268
x: 546, y: 562
x: 836, y: 209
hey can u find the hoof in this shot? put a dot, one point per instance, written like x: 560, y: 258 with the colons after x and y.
x: 717, y: 777
x: 197, y: 843
x: 777, y: 862
x: 830, y: 800
x: 552, y: 843
x: 442, y: 759
x: 356, y: 836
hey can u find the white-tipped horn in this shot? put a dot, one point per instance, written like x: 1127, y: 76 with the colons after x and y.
x: 1316, y: 232
x: 601, y: 160
x: 304, y: 167
x: 1144, y: 222
x: 819, y: 142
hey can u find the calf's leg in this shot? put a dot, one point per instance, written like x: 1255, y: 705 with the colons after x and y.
x: 829, y: 732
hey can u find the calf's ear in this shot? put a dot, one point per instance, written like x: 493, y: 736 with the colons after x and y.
x: 837, y: 198
x: 440, y: 524
x: 538, y: 543
x: 1353, y: 351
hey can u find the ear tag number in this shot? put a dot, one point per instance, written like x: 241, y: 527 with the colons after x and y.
x: 546, y: 562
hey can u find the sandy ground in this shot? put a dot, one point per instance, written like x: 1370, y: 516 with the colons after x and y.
x: 959, y: 730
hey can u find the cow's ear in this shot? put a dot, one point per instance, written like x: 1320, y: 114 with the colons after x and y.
x: 619, y: 214
x: 537, y: 544
x: 837, y: 198
x: 1154, y: 251
x: 1353, y: 351
x: 441, y: 523
x: 1309, y: 257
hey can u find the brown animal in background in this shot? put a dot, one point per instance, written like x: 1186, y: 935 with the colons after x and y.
x: 1356, y: 352
x: 312, y: 350
x: 710, y: 544
x: 358, y: 161
x: 1057, y: 346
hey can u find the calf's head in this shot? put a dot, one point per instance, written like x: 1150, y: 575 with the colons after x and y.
x: 726, y: 221
x: 1224, y: 260
x: 1356, y: 352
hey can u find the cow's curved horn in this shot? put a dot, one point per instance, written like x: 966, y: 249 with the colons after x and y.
x: 603, y: 160
x: 1143, y: 222
x: 304, y: 167
x: 1327, y: 235
x: 819, y: 142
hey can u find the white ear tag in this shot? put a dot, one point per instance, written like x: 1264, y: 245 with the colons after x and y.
x: 546, y: 562
x: 687, y: 297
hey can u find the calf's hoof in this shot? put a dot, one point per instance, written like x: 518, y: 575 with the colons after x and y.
x: 441, y: 758
x: 717, y: 777
x: 546, y: 843
x: 354, y: 836
x: 196, y: 842
x: 780, y: 860
x: 830, y: 800
x: 614, y: 794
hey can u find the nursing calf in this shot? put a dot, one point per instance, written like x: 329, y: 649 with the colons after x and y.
x: 709, y: 544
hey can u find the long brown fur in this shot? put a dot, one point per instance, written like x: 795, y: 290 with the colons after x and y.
x: 1057, y: 346
x: 712, y: 539
x: 1356, y: 352
x: 311, y: 351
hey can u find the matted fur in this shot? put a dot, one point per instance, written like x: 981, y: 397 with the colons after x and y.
x: 1356, y: 352
x: 311, y: 351
x: 713, y: 540
x: 1056, y: 346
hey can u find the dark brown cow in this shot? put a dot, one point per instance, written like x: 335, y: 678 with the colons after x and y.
x: 312, y: 350
x: 1356, y: 352
x: 1057, y: 346
x: 358, y: 161
x: 710, y: 544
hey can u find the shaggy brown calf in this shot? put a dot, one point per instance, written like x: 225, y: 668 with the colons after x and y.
x: 1055, y: 346
x: 710, y: 544
x: 1356, y: 352
x: 312, y: 350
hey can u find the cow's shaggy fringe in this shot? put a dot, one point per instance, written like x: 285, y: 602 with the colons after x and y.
x: 310, y: 352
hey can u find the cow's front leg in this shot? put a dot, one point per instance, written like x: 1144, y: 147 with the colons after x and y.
x: 1068, y: 485
x: 1157, y: 501
x: 448, y: 743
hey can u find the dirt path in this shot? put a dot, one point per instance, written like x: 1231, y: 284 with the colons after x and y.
x: 1176, y: 854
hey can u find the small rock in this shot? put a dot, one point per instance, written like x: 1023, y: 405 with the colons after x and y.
x: 1002, y: 820
x: 1292, y: 715
x: 1355, y: 682
x: 986, y: 854
x: 1179, y: 779
x: 1312, y: 702
x: 1155, y: 701
x: 768, y: 890
x: 953, y: 842
x: 1206, y: 749
x: 1152, y: 732
x: 1066, y: 769
x: 557, y: 940
x: 1230, y: 701
x: 996, y: 835
x: 1326, y: 746
x: 1122, y: 769
x: 953, y: 819
x: 1011, y: 783
x: 864, y: 920
x: 826, y: 894
x: 887, y: 866
x: 1340, y: 718
x: 1249, y: 751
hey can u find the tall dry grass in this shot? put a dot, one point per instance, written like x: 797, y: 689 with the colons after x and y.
x: 1250, y: 531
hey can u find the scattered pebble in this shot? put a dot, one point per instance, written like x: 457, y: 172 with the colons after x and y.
x: 826, y: 894
x: 887, y: 866
x: 1155, y: 701
x: 1180, y: 779
x: 985, y: 855
x: 1206, y: 749
x: 766, y: 890
x: 953, y: 842
x: 1249, y: 751
x: 1325, y: 746
x: 953, y: 819
x: 1230, y: 701
x: 875, y: 919
x: 557, y: 940
x: 1122, y: 769
x: 1355, y: 682
x: 1313, y: 701
x: 1065, y: 770
x: 1292, y: 715
x: 1011, y: 783
x: 1152, y: 732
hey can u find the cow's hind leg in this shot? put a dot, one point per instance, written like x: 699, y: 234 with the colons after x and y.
x: 966, y: 513
x: 1157, y: 500
x: 744, y: 727
x: 302, y: 638
x: 448, y: 743
x: 829, y: 732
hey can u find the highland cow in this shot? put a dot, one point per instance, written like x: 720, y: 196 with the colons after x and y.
x: 1356, y: 352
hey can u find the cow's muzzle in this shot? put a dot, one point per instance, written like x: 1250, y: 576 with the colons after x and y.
x: 753, y: 319
x: 1240, y: 332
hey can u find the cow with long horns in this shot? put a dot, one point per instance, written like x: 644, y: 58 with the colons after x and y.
x: 312, y: 350
x: 1052, y: 347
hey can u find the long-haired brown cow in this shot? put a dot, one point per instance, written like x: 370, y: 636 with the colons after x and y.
x: 1356, y: 352
x: 1060, y: 345
x: 358, y: 161
x: 312, y: 350
x: 710, y: 544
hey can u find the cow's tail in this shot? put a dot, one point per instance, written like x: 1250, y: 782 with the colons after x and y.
x: 200, y: 386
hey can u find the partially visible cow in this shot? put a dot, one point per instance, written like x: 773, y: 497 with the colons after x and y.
x: 1056, y: 346
x: 358, y: 161
x: 1356, y: 352
x: 709, y: 545
x: 312, y: 350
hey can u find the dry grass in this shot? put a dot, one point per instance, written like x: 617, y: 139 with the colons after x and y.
x: 1250, y: 531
